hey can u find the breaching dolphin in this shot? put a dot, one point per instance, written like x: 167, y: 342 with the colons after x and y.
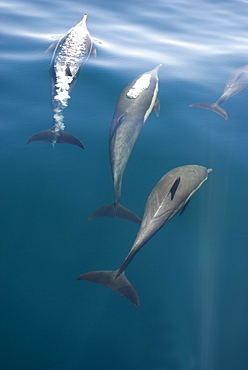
x: 70, y: 54
x: 132, y: 110
x: 171, y: 195
x: 236, y: 82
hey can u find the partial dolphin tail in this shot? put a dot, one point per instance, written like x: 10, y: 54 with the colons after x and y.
x: 213, y: 107
x: 60, y: 137
x: 115, y: 211
x: 115, y: 281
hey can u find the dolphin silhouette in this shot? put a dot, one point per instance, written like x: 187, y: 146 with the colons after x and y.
x: 171, y: 195
x: 236, y: 82
x: 132, y: 110
x: 70, y: 54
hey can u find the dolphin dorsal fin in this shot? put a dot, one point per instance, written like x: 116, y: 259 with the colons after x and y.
x: 68, y: 71
x: 174, y: 187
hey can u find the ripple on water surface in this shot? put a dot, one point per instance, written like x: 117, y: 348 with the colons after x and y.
x: 188, y: 39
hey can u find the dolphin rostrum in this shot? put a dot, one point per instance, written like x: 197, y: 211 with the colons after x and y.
x: 132, y: 110
x: 171, y: 195
x: 70, y: 54
x: 237, y: 81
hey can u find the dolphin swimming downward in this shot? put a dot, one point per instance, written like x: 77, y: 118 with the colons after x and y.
x: 70, y: 54
x: 236, y: 82
x: 132, y: 110
x: 171, y: 195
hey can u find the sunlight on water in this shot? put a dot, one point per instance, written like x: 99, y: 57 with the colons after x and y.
x: 159, y: 35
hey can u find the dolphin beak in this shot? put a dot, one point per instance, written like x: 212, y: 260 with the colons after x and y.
x: 84, y: 19
x: 158, y: 67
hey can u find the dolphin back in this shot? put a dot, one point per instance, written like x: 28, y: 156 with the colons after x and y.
x: 117, y: 211
x: 115, y: 281
x: 214, y: 107
x: 60, y: 137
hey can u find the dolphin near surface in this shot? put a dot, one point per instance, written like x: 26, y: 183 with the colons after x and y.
x: 171, y: 195
x: 70, y: 54
x: 237, y: 81
x: 132, y: 110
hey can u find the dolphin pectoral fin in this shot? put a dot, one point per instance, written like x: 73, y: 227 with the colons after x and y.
x: 184, y: 208
x: 118, y: 212
x: 66, y: 138
x: 115, y: 281
x: 174, y: 187
x: 46, y: 135
x: 157, y: 107
x: 214, y: 107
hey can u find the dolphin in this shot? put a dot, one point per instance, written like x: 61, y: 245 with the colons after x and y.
x: 132, y: 110
x: 237, y: 81
x: 171, y: 195
x: 71, y: 52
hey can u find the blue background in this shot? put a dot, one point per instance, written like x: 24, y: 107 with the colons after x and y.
x: 192, y: 276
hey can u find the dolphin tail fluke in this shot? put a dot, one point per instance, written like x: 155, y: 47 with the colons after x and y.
x: 115, y: 281
x: 46, y: 135
x: 60, y: 137
x: 115, y: 211
x: 66, y: 138
x: 213, y: 107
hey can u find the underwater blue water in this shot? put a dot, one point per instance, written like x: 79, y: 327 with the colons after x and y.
x: 192, y: 276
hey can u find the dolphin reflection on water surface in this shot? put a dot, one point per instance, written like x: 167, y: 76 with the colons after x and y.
x: 171, y: 195
x: 236, y: 82
x: 70, y: 54
x: 132, y: 110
